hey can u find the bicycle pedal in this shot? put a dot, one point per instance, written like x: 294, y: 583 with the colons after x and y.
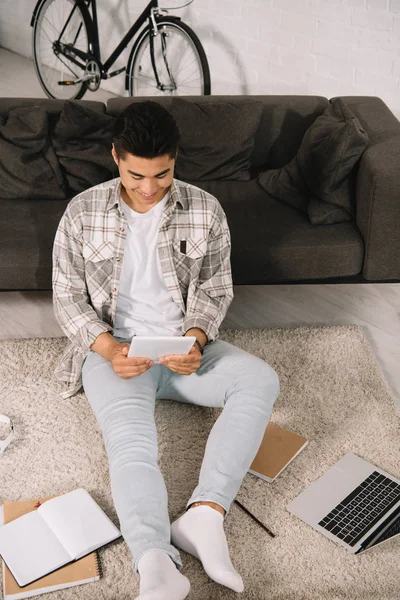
x: 67, y: 82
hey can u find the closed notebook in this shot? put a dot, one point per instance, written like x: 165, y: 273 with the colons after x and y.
x: 277, y: 449
x: 84, y: 570
x: 61, y: 531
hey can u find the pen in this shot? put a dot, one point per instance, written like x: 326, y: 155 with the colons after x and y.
x: 255, y: 519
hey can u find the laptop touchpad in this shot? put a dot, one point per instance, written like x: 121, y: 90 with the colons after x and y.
x: 322, y: 496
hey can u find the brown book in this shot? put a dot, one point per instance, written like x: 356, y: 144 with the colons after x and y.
x: 84, y: 570
x: 277, y: 449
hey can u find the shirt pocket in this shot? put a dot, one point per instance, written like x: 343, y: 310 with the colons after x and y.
x: 191, y: 248
x: 188, y: 257
x: 96, y: 251
x: 99, y: 271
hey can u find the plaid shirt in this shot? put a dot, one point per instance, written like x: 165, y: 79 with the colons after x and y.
x: 87, y: 259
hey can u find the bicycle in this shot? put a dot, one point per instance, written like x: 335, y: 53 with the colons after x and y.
x: 167, y: 57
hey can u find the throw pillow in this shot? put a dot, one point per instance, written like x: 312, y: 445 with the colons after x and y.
x: 217, y: 138
x: 323, y: 213
x: 318, y: 180
x: 82, y: 139
x: 28, y: 164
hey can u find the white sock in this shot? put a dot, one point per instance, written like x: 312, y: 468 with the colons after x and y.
x: 160, y: 578
x: 200, y: 532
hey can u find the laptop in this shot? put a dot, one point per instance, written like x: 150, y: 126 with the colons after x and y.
x: 354, y: 504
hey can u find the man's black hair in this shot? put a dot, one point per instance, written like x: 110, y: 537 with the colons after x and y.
x: 146, y: 129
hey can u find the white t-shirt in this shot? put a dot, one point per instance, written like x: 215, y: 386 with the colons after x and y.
x: 144, y: 306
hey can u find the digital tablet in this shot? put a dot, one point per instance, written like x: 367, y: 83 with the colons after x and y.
x: 154, y: 347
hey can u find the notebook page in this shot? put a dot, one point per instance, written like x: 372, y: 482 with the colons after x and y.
x: 78, y: 522
x: 85, y: 570
x: 30, y: 549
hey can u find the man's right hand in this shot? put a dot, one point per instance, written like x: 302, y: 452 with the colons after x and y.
x: 125, y: 366
x: 117, y: 353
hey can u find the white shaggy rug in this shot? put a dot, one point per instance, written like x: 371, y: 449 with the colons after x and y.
x: 332, y: 392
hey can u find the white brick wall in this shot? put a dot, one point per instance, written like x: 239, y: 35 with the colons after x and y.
x: 325, y: 47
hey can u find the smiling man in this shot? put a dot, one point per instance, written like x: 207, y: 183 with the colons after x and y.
x: 150, y: 188
x: 147, y: 254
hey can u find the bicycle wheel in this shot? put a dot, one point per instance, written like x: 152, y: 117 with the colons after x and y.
x: 180, y: 61
x: 50, y: 67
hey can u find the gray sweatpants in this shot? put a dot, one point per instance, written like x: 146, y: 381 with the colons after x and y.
x: 243, y: 385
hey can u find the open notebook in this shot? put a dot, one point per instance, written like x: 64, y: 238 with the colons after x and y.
x: 84, y: 570
x: 61, y: 531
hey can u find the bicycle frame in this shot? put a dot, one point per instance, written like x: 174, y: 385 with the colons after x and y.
x: 73, y: 52
x: 146, y: 14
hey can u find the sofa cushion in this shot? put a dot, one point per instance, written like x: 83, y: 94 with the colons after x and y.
x: 217, y: 138
x: 273, y: 243
x: 26, y: 239
x: 284, y: 121
x: 28, y: 164
x: 82, y: 139
x: 316, y: 180
x: 325, y: 213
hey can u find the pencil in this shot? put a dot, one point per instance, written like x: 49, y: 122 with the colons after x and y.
x: 255, y: 519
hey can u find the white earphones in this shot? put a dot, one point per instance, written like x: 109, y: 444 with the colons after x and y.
x: 4, y: 442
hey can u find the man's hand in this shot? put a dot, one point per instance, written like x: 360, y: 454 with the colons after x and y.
x: 184, y: 364
x: 125, y: 366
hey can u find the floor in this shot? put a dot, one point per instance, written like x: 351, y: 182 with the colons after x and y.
x: 18, y: 79
x: 373, y: 306
x: 376, y: 307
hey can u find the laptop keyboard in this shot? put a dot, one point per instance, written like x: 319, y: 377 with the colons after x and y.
x: 351, y: 519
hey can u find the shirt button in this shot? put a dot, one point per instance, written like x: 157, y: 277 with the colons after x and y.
x: 114, y: 289
x: 118, y: 259
x: 122, y: 229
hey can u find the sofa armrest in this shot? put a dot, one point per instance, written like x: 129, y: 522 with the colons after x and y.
x: 378, y: 209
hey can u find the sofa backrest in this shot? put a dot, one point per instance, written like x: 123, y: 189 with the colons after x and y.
x: 53, y: 107
x: 284, y: 120
x: 282, y: 126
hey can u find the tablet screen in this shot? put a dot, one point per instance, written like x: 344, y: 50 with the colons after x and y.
x: 154, y: 347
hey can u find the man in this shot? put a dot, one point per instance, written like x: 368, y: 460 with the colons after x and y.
x: 146, y: 254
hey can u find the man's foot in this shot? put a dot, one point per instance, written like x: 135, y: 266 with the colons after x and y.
x: 160, y: 578
x: 200, y: 532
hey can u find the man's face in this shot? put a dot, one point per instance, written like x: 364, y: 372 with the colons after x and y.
x: 146, y: 180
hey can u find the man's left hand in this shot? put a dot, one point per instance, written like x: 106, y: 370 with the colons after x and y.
x: 184, y: 364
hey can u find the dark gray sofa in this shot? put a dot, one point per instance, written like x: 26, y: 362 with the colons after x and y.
x: 271, y: 242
